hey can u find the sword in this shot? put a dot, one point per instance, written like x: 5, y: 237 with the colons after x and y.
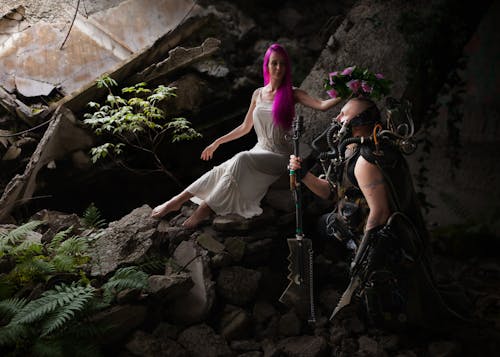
x: 300, y: 291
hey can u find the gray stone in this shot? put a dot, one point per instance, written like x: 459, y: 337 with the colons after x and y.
x: 263, y: 311
x: 144, y: 344
x: 235, y: 323
x: 245, y: 345
x: 235, y: 247
x: 304, y: 346
x: 280, y: 199
x: 123, y: 319
x: 168, y: 287
x: 221, y: 260
x: 444, y: 349
x: 367, y: 344
x: 210, y: 243
x: 202, y: 341
x: 238, y: 285
x: 236, y: 223
x: 196, y: 304
x: 289, y: 324
x: 125, y: 241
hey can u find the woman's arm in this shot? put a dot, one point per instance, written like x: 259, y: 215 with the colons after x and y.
x: 242, y: 129
x: 304, y: 98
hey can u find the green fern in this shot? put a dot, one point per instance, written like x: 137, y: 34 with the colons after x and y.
x: 58, y: 238
x: 66, y: 312
x: 14, y: 334
x: 7, y: 287
x: 26, y: 249
x: 10, y: 307
x: 125, y: 278
x: 64, y: 263
x: 7, y: 240
x: 74, y: 246
x: 31, y: 269
x: 64, y: 300
x: 153, y: 264
x: 92, y: 217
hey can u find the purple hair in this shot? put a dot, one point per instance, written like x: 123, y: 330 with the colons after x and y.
x: 283, y: 105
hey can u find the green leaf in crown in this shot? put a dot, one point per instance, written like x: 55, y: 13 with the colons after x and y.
x: 354, y: 81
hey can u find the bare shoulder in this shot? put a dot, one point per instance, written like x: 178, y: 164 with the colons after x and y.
x: 255, y: 94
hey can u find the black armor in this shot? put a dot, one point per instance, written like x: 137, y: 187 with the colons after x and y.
x: 390, y: 270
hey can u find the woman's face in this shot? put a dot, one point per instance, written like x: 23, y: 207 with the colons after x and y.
x: 276, y: 66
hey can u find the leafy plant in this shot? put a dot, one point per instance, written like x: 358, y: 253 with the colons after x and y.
x: 136, y: 122
x: 8, y: 240
x: 52, y: 325
x: 60, y: 321
x: 28, y: 261
x: 356, y: 81
x: 125, y: 278
x: 92, y: 217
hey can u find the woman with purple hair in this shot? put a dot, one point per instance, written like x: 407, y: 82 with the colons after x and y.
x: 239, y: 184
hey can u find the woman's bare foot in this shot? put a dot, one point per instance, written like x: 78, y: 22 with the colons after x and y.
x: 171, y: 205
x: 202, y: 212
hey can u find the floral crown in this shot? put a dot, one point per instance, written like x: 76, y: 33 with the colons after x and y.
x: 353, y: 81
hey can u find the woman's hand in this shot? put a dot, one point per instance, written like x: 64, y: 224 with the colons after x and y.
x: 208, y: 152
x: 294, y: 163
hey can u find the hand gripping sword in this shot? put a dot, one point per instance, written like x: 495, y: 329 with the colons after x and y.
x: 300, y: 291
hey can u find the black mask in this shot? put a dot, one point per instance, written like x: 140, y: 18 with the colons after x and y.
x: 369, y: 116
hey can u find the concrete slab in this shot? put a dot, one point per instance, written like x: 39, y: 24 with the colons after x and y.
x: 97, y: 44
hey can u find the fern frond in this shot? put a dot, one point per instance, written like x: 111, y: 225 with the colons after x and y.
x: 15, y: 235
x: 12, y: 334
x: 7, y: 286
x: 64, y: 263
x: 153, y: 264
x: 28, y: 270
x: 125, y: 278
x: 67, y: 311
x: 27, y: 249
x: 58, y: 238
x: 73, y: 246
x: 92, y: 217
x: 68, y: 298
x: 10, y: 307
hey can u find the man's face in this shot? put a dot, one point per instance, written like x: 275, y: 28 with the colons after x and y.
x: 348, y: 111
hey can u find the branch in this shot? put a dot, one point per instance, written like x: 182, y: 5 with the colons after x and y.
x: 71, y: 25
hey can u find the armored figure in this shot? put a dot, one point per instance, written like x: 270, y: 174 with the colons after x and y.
x: 376, y: 221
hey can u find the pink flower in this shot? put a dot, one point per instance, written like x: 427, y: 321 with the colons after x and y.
x: 331, y: 75
x: 332, y: 93
x: 348, y: 71
x: 354, y: 85
x: 379, y: 76
x: 366, y: 87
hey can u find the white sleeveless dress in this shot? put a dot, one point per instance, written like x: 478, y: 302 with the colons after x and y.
x: 239, y: 184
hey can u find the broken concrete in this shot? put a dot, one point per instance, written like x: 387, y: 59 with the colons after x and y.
x: 96, y: 44
x: 63, y: 136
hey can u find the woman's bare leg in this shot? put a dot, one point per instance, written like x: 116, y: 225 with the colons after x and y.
x: 202, y: 212
x: 174, y: 204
